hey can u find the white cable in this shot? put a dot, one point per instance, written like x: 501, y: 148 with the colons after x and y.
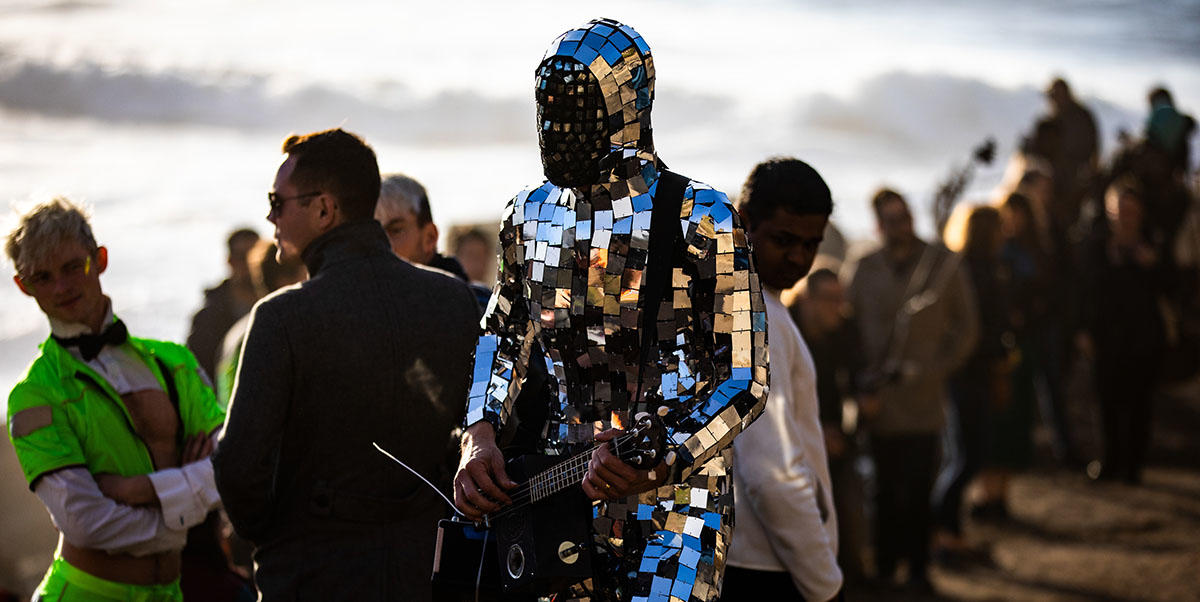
x: 482, y: 555
x: 431, y: 485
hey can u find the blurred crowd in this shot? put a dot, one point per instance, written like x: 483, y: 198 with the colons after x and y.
x: 938, y: 361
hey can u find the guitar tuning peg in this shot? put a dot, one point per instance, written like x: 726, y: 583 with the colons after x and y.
x: 663, y: 411
x: 641, y: 416
x: 670, y: 459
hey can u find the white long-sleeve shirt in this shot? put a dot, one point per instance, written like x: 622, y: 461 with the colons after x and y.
x: 87, y: 518
x: 782, y: 493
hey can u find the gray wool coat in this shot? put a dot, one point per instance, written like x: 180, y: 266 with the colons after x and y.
x: 370, y: 349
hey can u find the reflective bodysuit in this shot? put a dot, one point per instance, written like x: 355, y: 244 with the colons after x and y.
x: 573, y: 257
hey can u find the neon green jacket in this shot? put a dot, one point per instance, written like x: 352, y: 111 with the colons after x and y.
x: 64, y: 414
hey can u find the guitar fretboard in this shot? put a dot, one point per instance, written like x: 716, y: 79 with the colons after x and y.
x: 559, y: 477
x: 569, y: 472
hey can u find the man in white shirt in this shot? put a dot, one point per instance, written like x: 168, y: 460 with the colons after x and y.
x: 112, y: 431
x: 785, y: 543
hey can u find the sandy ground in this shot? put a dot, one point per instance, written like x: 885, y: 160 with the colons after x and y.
x: 27, y: 538
x: 1068, y: 539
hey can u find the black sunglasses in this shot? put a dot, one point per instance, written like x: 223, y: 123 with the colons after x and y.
x: 278, y: 201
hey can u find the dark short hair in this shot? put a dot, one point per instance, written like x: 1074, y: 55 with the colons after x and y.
x: 784, y: 183
x: 236, y: 238
x: 339, y: 163
x: 1160, y: 94
x: 1020, y: 203
x: 820, y: 278
x: 882, y: 196
x: 472, y: 234
x: 983, y: 230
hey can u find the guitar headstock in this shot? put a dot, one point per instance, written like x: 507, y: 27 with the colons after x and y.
x: 644, y: 445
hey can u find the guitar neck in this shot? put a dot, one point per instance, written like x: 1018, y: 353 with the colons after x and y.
x: 569, y: 472
x: 559, y: 477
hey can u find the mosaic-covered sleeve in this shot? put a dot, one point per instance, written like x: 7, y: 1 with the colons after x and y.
x: 714, y: 375
x: 502, y: 353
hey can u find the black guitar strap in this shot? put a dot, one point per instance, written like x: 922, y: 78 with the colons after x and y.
x: 665, y: 235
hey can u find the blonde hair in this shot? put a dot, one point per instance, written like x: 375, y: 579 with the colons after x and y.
x: 45, y: 227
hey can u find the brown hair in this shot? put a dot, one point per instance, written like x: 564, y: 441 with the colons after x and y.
x: 983, y: 232
x: 882, y: 196
x: 267, y: 273
x: 339, y: 163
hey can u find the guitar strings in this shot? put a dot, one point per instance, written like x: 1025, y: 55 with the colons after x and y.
x: 558, y: 470
x: 522, y: 495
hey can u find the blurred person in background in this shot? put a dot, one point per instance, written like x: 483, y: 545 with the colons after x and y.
x: 1032, y: 318
x: 821, y: 313
x: 474, y: 250
x: 1067, y: 138
x: 113, y: 432
x: 1042, y: 261
x: 404, y: 212
x: 268, y: 273
x: 917, y: 319
x: 1169, y: 131
x: 1159, y: 162
x: 1125, y: 332
x: 225, y: 303
x: 979, y: 386
x: 786, y: 543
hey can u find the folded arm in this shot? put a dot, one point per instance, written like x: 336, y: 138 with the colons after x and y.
x: 89, y: 519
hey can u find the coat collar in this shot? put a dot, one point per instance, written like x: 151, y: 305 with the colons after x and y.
x: 356, y: 239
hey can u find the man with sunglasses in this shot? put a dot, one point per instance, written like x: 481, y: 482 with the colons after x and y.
x: 112, y: 431
x: 369, y: 350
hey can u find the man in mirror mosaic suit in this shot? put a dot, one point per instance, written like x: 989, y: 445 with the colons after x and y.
x: 570, y: 297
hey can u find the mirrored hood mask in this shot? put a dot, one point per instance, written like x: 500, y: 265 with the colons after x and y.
x: 594, y: 89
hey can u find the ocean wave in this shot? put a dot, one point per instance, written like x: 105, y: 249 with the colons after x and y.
x: 927, y: 113
x: 917, y: 113
x: 255, y: 102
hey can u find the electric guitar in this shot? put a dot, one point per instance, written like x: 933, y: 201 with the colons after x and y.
x: 541, y: 543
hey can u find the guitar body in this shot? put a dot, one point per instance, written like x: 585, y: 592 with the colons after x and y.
x: 542, y: 543
x: 538, y: 548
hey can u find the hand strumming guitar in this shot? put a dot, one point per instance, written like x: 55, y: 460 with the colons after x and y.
x: 610, y: 478
x: 480, y: 478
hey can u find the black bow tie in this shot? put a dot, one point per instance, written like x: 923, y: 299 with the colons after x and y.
x: 90, y: 344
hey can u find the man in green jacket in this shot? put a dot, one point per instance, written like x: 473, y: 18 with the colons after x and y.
x: 112, y: 432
